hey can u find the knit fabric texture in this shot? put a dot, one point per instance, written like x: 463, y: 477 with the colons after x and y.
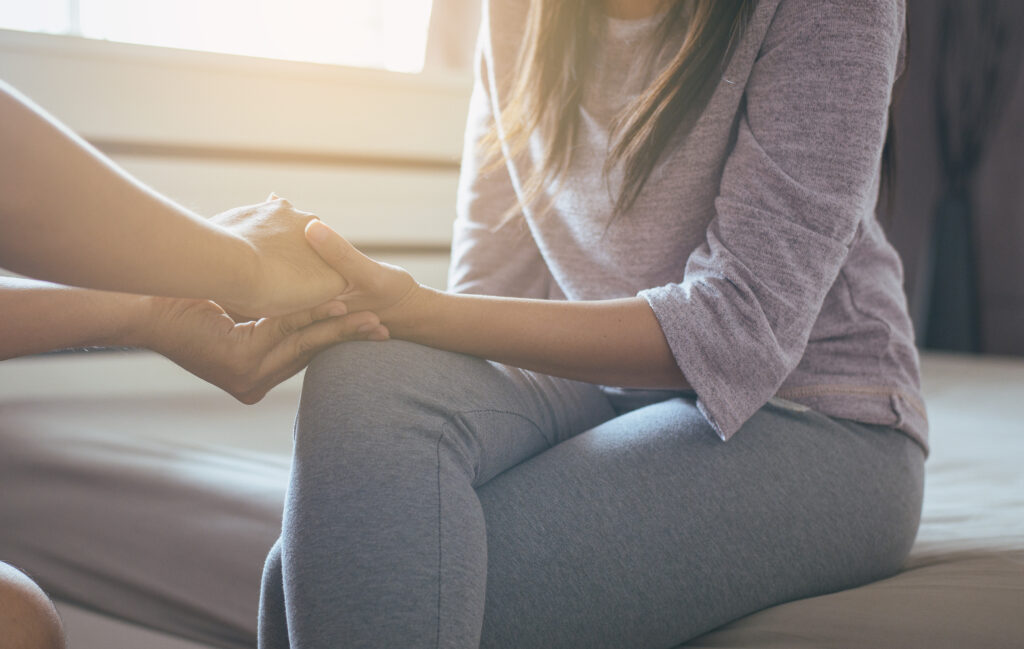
x: 754, y: 240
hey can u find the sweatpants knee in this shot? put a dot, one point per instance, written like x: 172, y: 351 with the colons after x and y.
x: 358, y: 391
x: 27, y: 617
x: 361, y: 372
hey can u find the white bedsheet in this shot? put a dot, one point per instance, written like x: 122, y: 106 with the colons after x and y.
x: 165, y: 506
x: 963, y: 585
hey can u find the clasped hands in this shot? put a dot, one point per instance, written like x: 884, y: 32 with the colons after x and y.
x: 306, y: 288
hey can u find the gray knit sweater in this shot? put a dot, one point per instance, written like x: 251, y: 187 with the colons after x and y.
x: 754, y: 241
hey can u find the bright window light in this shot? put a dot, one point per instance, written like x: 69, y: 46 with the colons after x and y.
x: 388, y: 34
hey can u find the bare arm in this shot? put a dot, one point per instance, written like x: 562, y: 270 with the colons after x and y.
x: 68, y: 214
x: 246, y: 359
x: 39, y: 317
x: 611, y: 342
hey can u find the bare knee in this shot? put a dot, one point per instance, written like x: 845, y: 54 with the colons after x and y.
x: 27, y: 616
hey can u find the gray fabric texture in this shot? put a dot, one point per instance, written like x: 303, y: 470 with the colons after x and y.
x: 440, y: 500
x: 754, y: 241
x: 164, y: 534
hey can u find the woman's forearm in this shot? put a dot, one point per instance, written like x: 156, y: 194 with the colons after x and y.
x: 39, y: 317
x: 610, y: 342
x: 68, y: 214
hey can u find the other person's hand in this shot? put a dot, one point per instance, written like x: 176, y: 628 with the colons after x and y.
x: 287, y: 275
x: 247, y: 359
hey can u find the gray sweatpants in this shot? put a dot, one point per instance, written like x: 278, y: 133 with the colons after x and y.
x: 439, y: 500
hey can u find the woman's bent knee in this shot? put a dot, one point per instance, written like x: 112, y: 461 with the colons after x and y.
x: 370, y: 383
x: 27, y: 617
x: 362, y: 371
x: 369, y: 396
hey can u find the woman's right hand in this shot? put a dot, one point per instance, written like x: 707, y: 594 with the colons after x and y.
x: 370, y: 285
x: 285, y: 274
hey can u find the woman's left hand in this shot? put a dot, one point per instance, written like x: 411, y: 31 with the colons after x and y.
x: 247, y: 359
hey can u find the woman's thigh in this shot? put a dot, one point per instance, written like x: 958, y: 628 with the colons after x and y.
x: 383, y: 540
x: 389, y: 398
x: 648, y: 530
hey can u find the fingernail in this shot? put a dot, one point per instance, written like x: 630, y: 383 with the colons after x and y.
x: 366, y: 328
x: 336, y: 309
x: 317, y: 231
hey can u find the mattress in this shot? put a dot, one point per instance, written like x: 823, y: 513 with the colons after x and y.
x: 157, y: 510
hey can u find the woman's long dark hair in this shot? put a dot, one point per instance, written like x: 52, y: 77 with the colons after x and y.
x: 545, y: 92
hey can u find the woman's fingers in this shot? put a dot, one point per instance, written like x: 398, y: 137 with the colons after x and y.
x: 378, y: 333
x: 339, y: 254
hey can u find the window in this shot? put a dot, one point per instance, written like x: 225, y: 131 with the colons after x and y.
x: 388, y: 34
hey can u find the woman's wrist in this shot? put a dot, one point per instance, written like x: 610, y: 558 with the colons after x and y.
x: 412, y: 314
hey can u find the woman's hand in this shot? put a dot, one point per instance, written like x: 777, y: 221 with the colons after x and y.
x: 370, y: 285
x: 286, y: 275
x: 247, y: 359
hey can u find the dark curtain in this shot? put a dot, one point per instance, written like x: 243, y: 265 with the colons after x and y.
x: 957, y: 214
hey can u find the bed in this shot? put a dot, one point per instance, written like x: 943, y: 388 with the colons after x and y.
x: 145, y: 502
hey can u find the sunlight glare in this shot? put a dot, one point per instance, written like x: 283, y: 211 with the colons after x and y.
x: 49, y: 16
x: 389, y: 34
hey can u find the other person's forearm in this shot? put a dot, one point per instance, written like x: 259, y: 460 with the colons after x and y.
x: 245, y: 359
x: 90, y: 224
x: 39, y: 317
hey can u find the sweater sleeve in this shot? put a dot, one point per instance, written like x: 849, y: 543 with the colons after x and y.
x: 801, y: 177
x: 491, y: 255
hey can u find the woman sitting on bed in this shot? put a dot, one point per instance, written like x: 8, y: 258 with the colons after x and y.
x: 68, y: 215
x: 665, y: 240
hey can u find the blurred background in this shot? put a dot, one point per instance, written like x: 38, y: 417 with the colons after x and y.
x: 355, y: 110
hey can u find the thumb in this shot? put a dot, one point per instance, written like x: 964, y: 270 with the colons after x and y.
x: 339, y: 254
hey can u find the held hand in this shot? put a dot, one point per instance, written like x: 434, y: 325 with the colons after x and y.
x: 247, y: 359
x: 287, y: 274
x: 371, y: 285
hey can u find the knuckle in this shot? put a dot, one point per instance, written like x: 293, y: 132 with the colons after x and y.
x: 305, y: 347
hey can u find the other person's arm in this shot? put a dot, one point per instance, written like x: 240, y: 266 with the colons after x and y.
x: 68, y: 214
x: 246, y: 359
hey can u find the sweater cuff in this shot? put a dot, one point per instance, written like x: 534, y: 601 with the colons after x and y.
x: 696, y: 345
